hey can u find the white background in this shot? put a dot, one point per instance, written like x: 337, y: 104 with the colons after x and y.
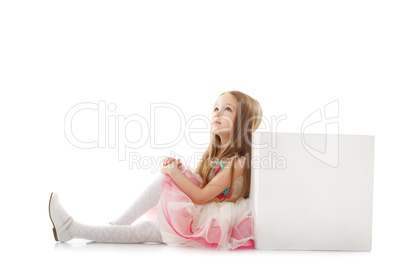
x: 294, y: 57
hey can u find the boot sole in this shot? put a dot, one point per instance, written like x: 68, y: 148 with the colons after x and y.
x: 50, y: 216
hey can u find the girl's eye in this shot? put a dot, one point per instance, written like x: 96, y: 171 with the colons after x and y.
x: 226, y: 109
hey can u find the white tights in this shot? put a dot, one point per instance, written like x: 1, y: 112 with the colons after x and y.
x: 121, y: 231
x: 139, y: 232
x: 146, y: 201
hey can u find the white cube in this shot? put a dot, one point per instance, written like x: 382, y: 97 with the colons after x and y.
x: 308, y: 199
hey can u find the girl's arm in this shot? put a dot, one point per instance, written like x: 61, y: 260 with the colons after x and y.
x: 189, y: 188
x: 218, y: 184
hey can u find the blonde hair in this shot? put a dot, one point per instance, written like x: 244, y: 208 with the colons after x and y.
x: 250, y: 113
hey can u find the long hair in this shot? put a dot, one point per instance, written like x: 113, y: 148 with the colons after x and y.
x: 247, y: 120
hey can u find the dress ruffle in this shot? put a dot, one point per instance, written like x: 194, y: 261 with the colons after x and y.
x: 220, y: 226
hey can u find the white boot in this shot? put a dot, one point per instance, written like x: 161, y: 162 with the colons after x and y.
x: 60, y: 231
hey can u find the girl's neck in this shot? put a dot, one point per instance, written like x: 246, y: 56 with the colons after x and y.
x: 219, y: 151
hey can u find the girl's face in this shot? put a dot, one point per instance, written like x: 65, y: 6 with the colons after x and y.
x: 224, y: 114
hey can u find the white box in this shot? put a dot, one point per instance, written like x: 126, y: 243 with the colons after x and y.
x: 303, y: 198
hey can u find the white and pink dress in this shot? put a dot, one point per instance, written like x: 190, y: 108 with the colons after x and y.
x: 216, y: 225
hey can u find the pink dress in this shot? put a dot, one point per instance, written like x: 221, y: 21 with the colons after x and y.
x: 216, y: 225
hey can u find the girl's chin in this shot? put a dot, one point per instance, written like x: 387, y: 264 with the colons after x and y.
x: 217, y: 132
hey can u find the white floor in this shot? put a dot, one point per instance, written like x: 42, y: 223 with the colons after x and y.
x: 78, y: 253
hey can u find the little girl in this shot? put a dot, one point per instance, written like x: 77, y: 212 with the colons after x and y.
x: 208, y: 207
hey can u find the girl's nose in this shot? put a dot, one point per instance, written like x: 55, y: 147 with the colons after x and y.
x: 215, y: 117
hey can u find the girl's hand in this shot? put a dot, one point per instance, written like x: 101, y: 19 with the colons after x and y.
x: 167, y: 169
x: 168, y: 160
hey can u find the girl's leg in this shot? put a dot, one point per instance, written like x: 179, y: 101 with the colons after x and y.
x: 142, y: 231
x: 148, y: 199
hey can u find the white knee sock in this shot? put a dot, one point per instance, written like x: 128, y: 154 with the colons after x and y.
x: 148, y: 199
x: 142, y: 231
